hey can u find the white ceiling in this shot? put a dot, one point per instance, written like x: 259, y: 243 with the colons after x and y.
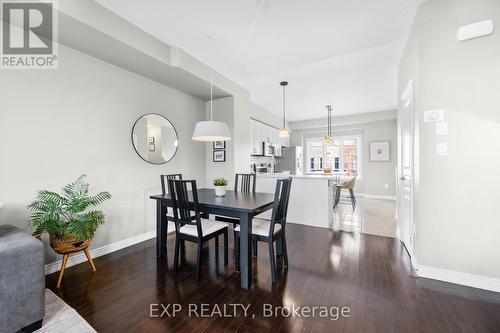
x: 338, y: 52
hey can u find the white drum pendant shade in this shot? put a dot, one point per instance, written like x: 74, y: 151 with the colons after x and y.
x: 210, y: 130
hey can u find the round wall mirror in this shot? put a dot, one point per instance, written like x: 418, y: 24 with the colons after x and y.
x: 154, y: 138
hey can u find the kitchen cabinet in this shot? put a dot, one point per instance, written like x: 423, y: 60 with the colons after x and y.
x: 260, y: 132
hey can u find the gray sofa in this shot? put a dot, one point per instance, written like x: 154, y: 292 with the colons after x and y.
x: 22, y: 281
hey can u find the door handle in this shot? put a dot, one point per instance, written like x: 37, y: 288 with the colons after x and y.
x: 403, y: 178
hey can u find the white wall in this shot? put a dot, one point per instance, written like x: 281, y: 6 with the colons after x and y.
x: 456, y: 203
x: 56, y: 125
x: 371, y: 127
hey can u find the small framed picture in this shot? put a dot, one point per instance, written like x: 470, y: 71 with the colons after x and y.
x: 380, y: 151
x: 151, y: 139
x: 219, y: 156
x: 152, y: 147
x: 219, y: 144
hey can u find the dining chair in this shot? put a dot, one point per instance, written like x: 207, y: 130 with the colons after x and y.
x: 349, y: 185
x: 195, y: 229
x: 270, y: 231
x: 164, y: 183
x: 243, y: 182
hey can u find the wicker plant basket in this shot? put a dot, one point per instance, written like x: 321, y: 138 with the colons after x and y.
x: 69, y: 245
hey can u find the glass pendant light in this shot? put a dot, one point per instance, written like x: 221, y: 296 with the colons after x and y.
x: 284, y: 131
x: 210, y: 130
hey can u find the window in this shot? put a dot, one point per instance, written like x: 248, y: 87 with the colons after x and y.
x: 343, y: 156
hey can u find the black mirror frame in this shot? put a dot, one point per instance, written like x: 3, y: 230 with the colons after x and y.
x: 132, y: 138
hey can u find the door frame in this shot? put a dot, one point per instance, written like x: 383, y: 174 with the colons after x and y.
x: 407, y: 98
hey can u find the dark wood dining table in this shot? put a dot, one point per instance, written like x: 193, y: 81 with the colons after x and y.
x: 241, y: 205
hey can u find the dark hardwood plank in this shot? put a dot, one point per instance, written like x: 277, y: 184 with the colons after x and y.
x: 369, y: 274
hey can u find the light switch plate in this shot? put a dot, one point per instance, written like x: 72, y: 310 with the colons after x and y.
x: 442, y: 128
x: 433, y: 115
x: 442, y: 149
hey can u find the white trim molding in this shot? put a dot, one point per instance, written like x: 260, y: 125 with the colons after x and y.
x: 375, y: 196
x: 465, y: 279
x: 380, y: 197
x: 78, y: 258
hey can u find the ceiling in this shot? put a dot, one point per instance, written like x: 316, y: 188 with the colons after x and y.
x: 343, y: 53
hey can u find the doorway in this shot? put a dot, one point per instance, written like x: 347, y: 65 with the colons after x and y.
x: 406, y: 171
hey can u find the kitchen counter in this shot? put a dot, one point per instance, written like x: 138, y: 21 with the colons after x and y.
x: 332, y: 176
x: 311, y: 197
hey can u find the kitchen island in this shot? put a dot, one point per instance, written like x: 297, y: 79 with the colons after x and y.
x: 311, y: 198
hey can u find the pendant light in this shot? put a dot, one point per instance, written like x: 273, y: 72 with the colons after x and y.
x: 284, y: 131
x: 328, y: 138
x: 210, y: 130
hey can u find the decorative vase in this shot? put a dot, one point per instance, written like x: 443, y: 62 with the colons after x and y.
x: 327, y: 169
x: 220, y: 191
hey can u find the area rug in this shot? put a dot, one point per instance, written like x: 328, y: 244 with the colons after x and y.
x: 60, y: 317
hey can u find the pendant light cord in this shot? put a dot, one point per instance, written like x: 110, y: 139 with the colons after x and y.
x: 238, y: 50
x: 284, y: 108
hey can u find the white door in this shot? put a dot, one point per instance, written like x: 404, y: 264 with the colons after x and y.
x: 406, y: 223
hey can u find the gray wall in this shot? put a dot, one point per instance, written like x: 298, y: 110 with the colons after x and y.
x: 223, y: 110
x: 375, y: 175
x: 456, y: 196
x: 56, y: 125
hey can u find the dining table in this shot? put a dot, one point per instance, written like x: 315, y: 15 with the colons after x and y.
x: 241, y: 205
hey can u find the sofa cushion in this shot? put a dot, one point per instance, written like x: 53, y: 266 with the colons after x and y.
x: 22, y: 279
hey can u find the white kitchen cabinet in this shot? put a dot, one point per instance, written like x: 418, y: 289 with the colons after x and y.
x: 260, y: 132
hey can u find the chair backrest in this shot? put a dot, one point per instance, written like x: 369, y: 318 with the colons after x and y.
x: 245, y: 182
x: 164, y: 183
x: 182, y: 205
x: 350, y: 184
x: 280, y: 208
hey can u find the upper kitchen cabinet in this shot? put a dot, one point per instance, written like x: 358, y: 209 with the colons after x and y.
x: 260, y: 132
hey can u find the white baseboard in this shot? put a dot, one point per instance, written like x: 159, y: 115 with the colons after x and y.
x: 78, y: 258
x: 380, y: 197
x: 465, y: 279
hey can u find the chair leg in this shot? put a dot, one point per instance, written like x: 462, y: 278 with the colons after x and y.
x: 226, y: 248
x: 272, y: 260
x: 198, y: 263
x: 182, y: 244
x: 237, y: 259
x: 176, y: 253
x: 337, y: 197
x: 285, y: 251
x: 89, y: 258
x: 254, y: 245
x: 234, y: 247
x: 353, y: 199
x: 63, y: 267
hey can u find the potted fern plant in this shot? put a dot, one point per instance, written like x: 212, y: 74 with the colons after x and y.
x: 220, y: 187
x: 66, y: 217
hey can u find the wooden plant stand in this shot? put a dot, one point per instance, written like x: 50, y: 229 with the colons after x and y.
x: 67, y: 247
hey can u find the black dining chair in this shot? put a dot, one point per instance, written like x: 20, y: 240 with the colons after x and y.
x: 270, y: 231
x: 243, y: 182
x: 166, y: 177
x: 191, y: 228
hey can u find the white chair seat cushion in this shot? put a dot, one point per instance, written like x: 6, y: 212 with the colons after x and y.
x: 207, y: 227
x: 261, y: 227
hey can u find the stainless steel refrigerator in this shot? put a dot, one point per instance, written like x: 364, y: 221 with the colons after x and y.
x: 290, y: 160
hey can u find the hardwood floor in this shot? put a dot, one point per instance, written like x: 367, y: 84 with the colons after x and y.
x: 369, y: 274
